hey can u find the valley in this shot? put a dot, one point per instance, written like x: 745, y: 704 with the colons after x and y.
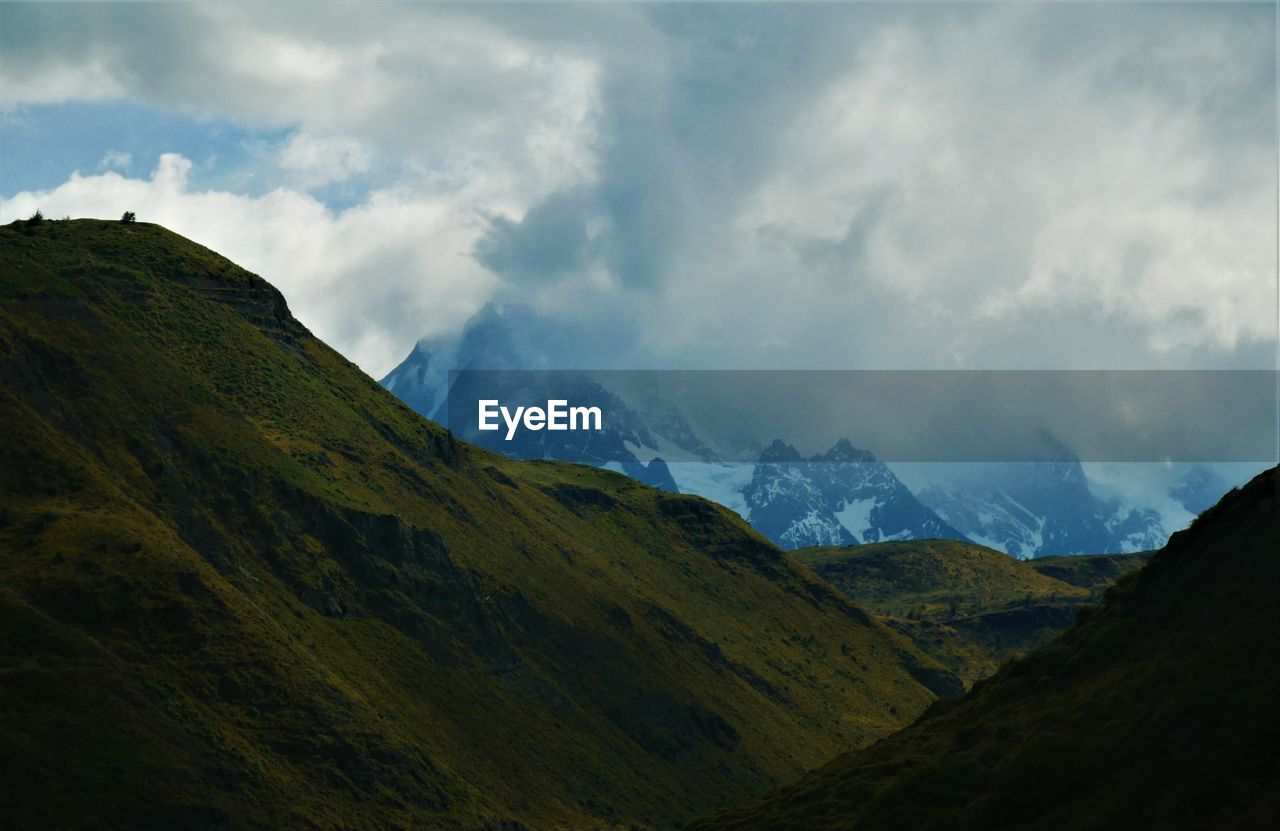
x: 970, y: 607
x: 242, y: 585
x: 1155, y: 711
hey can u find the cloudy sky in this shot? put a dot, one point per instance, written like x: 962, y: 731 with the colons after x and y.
x: 830, y: 186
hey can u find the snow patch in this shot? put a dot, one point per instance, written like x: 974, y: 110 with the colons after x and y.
x: 722, y: 482
x: 855, y: 516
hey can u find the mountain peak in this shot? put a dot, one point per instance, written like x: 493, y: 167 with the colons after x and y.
x: 844, y: 451
x: 415, y: 364
x: 1054, y: 450
x: 780, y: 451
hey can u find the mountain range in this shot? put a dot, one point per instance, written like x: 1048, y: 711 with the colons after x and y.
x: 1034, y: 509
x: 842, y: 496
x: 243, y: 586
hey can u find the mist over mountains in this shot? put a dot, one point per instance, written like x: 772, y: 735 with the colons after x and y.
x: 839, y: 496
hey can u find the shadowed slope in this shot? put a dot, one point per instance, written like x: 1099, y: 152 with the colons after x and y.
x: 1156, y: 711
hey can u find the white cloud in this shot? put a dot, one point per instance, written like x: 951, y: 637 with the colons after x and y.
x: 115, y: 160
x: 86, y: 79
x: 953, y: 170
x: 481, y: 121
x: 435, y: 86
x: 319, y: 160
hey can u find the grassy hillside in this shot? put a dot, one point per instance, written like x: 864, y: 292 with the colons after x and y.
x: 931, y: 576
x: 1156, y: 711
x: 969, y: 606
x: 243, y: 586
x: 1091, y: 571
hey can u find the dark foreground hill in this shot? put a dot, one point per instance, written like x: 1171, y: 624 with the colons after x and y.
x: 969, y: 606
x: 1158, y: 710
x: 243, y: 586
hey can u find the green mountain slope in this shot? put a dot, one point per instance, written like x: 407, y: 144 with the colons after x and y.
x: 931, y: 575
x: 1090, y: 571
x: 243, y: 586
x: 1156, y: 711
x: 969, y: 606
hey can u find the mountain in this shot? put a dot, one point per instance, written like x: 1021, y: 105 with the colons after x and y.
x: 968, y: 606
x: 1036, y: 509
x: 1028, y: 509
x: 421, y: 381
x: 840, y: 497
x: 1157, y: 710
x: 843, y: 496
x: 492, y: 340
x: 623, y: 430
x: 241, y: 585
x: 1198, y: 488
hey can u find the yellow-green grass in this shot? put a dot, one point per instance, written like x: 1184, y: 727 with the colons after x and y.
x: 929, y: 577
